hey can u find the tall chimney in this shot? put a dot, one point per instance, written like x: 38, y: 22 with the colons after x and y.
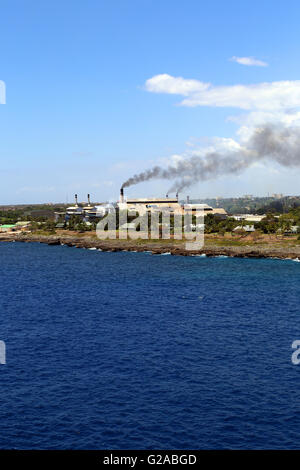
x: 89, y: 202
x: 167, y: 195
x: 121, y: 195
x: 76, y: 202
x: 188, y: 199
x: 177, y: 194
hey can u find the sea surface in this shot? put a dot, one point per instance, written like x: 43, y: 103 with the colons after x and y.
x: 136, y: 351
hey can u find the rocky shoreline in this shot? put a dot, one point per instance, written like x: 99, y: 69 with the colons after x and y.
x: 166, y: 246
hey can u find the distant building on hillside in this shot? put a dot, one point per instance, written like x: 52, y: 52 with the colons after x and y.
x: 249, y: 217
x: 22, y: 224
x: 245, y: 228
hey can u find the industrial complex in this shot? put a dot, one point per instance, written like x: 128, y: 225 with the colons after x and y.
x: 89, y: 212
x: 264, y: 215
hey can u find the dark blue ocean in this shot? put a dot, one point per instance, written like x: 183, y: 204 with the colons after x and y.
x: 135, y: 351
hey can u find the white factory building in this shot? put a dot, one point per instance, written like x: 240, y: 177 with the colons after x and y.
x: 249, y: 217
x: 89, y: 212
x: 170, y: 204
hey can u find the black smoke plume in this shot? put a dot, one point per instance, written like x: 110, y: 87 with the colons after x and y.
x: 270, y: 142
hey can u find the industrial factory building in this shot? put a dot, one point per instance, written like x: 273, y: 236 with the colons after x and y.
x: 192, y: 208
x: 143, y: 205
x: 140, y: 206
x: 170, y: 204
x: 87, y: 212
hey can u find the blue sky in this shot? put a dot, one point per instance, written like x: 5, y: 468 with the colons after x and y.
x: 79, y: 116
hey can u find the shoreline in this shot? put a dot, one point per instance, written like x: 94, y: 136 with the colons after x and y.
x: 173, y: 247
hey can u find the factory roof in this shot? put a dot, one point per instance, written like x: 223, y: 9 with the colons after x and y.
x: 74, y: 208
x: 249, y: 217
x: 197, y: 206
x: 219, y: 210
x: 23, y: 223
x: 153, y: 200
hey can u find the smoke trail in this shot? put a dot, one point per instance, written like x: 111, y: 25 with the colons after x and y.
x: 270, y: 142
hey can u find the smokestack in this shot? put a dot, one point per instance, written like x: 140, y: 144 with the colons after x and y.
x: 89, y: 202
x: 167, y: 195
x: 188, y: 199
x: 121, y: 195
x: 177, y: 195
x: 76, y: 202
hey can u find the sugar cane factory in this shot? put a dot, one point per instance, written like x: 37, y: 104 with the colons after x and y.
x: 89, y: 212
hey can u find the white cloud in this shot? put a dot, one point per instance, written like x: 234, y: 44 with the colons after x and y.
x: 165, y: 83
x: 268, y: 96
x: 2, y: 92
x: 250, y: 61
x: 215, y: 144
x: 254, y: 119
x: 265, y: 104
